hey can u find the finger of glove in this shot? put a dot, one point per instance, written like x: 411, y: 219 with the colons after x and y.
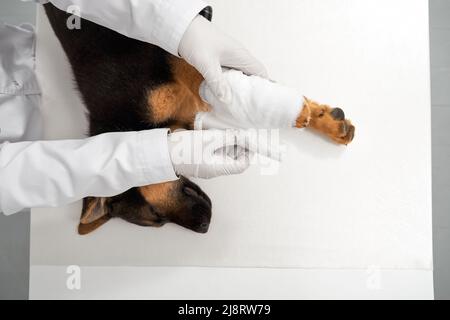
x: 243, y: 60
x: 207, y: 94
x: 217, y: 83
x: 238, y: 165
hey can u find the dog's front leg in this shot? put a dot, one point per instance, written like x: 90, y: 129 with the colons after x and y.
x: 259, y: 103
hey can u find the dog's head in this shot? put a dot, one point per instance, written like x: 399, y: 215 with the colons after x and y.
x: 181, y: 202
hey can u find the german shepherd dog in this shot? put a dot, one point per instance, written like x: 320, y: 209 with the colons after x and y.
x: 129, y: 85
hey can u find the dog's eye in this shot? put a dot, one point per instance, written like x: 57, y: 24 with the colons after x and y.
x: 322, y: 113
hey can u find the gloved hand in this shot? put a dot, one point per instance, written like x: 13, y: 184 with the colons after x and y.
x: 209, y: 153
x: 208, y: 49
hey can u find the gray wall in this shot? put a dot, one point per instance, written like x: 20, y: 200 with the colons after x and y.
x: 14, y: 256
x: 440, y: 84
x: 16, y: 12
x: 15, y: 230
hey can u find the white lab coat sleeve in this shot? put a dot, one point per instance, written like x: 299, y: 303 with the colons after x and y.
x: 160, y: 22
x: 55, y: 173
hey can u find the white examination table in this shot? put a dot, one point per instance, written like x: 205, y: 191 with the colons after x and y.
x: 365, y: 233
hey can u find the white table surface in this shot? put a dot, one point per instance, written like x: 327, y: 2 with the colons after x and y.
x: 364, y: 234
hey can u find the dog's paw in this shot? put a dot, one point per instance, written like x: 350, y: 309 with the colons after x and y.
x: 327, y: 120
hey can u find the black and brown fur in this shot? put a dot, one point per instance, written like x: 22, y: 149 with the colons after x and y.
x: 129, y: 85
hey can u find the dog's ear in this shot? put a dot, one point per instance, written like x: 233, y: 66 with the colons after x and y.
x: 84, y: 229
x: 94, y: 214
x: 93, y: 209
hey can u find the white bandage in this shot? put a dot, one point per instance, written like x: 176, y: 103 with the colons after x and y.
x: 254, y: 103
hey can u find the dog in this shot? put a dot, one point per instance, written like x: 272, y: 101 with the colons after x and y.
x: 129, y: 85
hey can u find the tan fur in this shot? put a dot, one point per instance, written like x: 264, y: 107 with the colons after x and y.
x: 160, y: 195
x: 304, y: 118
x: 178, y: 100
x: 164, y: 102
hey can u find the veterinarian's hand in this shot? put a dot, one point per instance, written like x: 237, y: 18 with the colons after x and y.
x: 208, y: 49
x: 209, y: 153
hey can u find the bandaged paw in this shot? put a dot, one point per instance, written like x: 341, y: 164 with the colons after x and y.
x: 258, y: 103
x: 254, y: 103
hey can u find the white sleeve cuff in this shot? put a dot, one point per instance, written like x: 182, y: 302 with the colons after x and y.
x: 154, y: 157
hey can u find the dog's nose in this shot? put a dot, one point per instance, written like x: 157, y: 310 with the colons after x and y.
x: 338, y: 114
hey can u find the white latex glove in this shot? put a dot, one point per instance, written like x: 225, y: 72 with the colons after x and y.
x: 209, y: 153
x: 208, y: 49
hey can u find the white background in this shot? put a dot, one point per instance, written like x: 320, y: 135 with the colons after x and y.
x: 328, y: 207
